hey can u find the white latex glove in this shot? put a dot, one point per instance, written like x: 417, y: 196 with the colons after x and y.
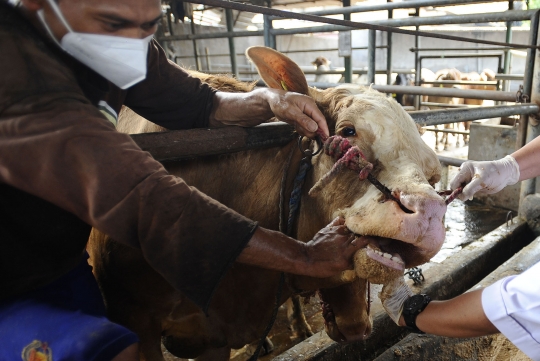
x: 485, y: 177
x: 393, y: 295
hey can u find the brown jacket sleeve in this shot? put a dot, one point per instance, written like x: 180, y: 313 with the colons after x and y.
x: 169, y: 96
x: 55, y: 145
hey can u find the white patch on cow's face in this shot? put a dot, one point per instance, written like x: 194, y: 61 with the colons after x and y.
x: 388, y: 138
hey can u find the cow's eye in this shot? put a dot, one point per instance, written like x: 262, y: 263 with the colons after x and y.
x: 348, y: 132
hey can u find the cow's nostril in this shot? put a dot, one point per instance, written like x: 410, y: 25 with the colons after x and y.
x: 403, y: 208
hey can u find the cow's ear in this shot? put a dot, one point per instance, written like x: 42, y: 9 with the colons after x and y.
x: 277, y: 70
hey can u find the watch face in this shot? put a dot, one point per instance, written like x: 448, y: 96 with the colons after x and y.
x: 415, y: 302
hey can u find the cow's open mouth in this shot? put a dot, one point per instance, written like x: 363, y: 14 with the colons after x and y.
x: 388, y: 252
x: 383, y: 259
x: 385, y: 256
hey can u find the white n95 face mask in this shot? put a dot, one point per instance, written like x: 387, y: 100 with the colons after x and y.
x: 118, y: 59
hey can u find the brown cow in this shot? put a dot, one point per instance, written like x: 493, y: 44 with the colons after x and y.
x: 249, y: 182
x: 445, y: 74
x: 486, y: 75
x: 407, y: 100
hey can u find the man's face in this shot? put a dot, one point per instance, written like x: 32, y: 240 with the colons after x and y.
x: 128, y: 18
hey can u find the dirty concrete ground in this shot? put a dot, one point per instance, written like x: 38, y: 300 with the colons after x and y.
x: 464, y: 223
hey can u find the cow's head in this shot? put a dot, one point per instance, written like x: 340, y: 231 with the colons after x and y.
x: 394, y: 238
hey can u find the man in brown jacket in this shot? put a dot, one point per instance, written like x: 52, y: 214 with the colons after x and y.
x: 67, y: 67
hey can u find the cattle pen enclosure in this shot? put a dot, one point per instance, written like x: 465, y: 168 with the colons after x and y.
x: 509, y: 248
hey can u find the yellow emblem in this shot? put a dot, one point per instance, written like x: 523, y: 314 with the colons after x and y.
x: 37, y: 351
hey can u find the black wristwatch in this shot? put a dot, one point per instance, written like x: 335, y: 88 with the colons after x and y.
x: 412, y: 308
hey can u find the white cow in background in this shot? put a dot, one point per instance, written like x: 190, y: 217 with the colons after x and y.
x: 323, y: 64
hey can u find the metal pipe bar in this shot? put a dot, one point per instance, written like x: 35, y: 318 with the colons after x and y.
x: 335, y: 49
x: 445, y: 116
x: 269, y: 38
x: 463, y: 55
x: 291, y: 51
x: 347, y: 60
x: 461, y: 82
x: 509, y: 76
x: 194, y: 43
x: 394, y: 24
x: 392, y: 6
x: 454, y: 162
x: 529, y: 127
x: 355, y: 25
x: 232, y: 51
x: 509, y: 15
x: 449, y: 131
x: 417, y: 65
x: 444, y: 105
x: 507, y: 53
x: 416, y: 50
x: 236, y: 34
x: 372, y: 38
x: 448, y: 92
x: 389, y: 49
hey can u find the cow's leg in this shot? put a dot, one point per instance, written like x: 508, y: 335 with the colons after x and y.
x: 446, y: 135
x: 216, y: 354
x: 459, y: 137
x: 467, y: 127
x: 297, y: 320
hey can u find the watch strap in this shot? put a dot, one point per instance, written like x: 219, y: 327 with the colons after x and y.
x: 409, y: 315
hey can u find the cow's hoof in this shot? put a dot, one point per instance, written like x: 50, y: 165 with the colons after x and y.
x: 267, y: 347
x: 302, y: 333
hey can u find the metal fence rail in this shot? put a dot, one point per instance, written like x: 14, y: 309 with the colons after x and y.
x: 393, y: 6
x: 509, y: 16
x: 194, y: 143
x: 390, y: 25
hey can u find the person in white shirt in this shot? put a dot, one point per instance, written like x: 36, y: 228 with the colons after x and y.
x: 510, y: 306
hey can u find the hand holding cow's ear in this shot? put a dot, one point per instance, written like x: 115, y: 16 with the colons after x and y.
x: 299, y: 110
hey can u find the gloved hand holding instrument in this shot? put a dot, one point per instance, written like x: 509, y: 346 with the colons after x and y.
x: 486, y: 177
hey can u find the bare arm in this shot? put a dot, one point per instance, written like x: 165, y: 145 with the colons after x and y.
x: 329, y: 253
x: 528, y: 158
x: 256, y: 107
x: 462, y: 316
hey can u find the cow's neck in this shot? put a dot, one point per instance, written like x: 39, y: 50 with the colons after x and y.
x: 248, y: 182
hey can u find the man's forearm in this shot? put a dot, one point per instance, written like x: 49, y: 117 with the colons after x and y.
x: 242, y: 109
x: 329, y: 253
x: 462, y: 316
x: 258, y: 106
x: 274, y: 250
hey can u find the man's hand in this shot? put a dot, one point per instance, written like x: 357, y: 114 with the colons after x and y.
x: 486, y: 177
x: 298, y: 110
x: 329, y: 253
x: 258, y: 106
x: 332, y: 249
